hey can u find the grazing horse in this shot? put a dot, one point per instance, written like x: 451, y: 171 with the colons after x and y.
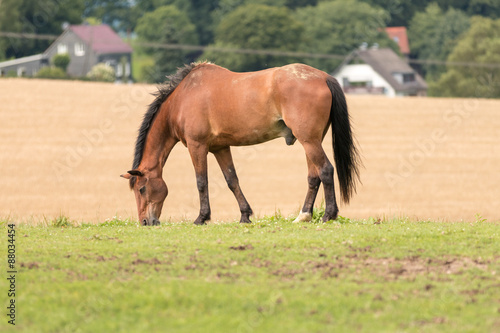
x: 209, y: 109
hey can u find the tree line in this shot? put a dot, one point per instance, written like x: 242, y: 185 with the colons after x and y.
x: 456, y: 31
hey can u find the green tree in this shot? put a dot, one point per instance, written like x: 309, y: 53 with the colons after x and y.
x: 9, y: 21
x: 480, y: 45
x: 61, y: 61
x: 400, y: 11
x: 485, y: 8
x: 433, y: 34
x: 224, y: 7
x: 256, y: 27
x: 167, y: 25
x: 198, y: 11
x: 35, y: 17
x: 339, y: 27
x: 293, y: 4
x: 119, y: 14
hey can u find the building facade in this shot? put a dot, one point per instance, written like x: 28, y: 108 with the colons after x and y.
x: 381, y: 72
x: 86, y: 46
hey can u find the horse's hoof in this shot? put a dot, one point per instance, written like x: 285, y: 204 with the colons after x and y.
x: 247, y: 220
x: 200, y: 222
x: 303, y: 217
x: 327, y: 218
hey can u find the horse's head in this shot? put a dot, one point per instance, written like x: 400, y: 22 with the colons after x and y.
x: 150, y: 192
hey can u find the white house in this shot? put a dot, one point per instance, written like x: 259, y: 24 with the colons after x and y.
x: 381, y: 72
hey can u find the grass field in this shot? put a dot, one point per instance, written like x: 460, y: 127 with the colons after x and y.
x: 270, y: 276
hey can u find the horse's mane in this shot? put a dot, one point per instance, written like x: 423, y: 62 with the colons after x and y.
x: 164, y: 90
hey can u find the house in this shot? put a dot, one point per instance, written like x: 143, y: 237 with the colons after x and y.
x: 399, y: 35
x: 379, y: 71
x: 25, y: 66
x: 87, y: 45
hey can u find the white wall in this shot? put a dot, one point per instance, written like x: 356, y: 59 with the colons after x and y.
x: 364, y: 73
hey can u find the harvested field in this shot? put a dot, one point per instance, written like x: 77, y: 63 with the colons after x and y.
x: 63, y: 145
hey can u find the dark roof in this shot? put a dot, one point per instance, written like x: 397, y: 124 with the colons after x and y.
x: 399, y: 35
x: 386, y: 63
x: 102, y: 38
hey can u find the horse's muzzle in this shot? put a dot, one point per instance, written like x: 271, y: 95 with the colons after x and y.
x: 150, y: 222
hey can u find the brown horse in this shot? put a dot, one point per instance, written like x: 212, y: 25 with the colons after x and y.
x: 209, y: 108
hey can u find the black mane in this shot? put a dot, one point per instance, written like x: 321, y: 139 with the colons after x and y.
x: 164, y: 90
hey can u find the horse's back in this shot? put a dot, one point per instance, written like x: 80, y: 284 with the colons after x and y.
x: 229, y: 108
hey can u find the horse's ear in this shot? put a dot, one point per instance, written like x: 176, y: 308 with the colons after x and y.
x: 135, y: 173
x: 132, y: 173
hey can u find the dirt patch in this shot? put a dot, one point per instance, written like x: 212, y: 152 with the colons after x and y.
x: 152, y: 261
x: 76, y: 276
x: 388, y: 268
x: 241, y: 247
x: 102, y: 258
x: 29, y: 265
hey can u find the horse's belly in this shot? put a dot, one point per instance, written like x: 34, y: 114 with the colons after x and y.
x: 246, y: 136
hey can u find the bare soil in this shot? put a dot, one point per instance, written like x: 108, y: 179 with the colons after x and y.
x: 63, y: 145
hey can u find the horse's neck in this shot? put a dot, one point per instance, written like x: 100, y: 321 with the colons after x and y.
x: 158, y: 145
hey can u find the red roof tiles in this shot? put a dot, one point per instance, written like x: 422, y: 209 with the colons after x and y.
x: 102, y: 38
x: 398, y: 34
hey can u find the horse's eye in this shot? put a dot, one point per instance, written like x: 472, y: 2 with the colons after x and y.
x: 142, y: 190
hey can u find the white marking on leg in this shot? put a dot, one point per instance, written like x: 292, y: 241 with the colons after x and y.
x: 303, y: 217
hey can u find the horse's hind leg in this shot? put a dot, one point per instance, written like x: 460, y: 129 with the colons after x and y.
x: 198, y: 154
x: 313, y: 181
x: 317, y: 156
x: 225, y: 161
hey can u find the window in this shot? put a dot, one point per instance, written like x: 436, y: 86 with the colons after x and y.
x: 398, y: 77
x: 408, y: 77
x: 62, y: 48
x: 127, y: 69
x: 119, y: 70
x: 79, y: 49
x: 21, y: 71
x: 404, y: 77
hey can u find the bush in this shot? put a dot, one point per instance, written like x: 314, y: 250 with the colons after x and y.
x: 61, y: 61
x: 102, y: 72
x: 11, y: 73
x: 51, y: 73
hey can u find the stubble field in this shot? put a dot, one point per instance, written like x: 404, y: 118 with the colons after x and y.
x: 63, y: 145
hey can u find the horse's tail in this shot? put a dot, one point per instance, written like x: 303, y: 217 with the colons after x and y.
x: 347, y: 159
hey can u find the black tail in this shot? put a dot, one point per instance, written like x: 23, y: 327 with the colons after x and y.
x: 347, y: 160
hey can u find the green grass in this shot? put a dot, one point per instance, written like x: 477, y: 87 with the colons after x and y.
x: 269, y: 276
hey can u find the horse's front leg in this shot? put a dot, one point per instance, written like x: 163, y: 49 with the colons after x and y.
x: 198, y: 154
x: 225, y: 161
